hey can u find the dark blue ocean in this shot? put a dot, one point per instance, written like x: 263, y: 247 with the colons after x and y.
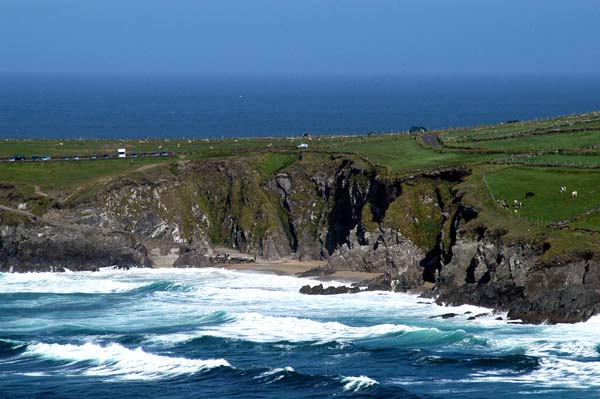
x: 128, y: 107
x: 215, y: 333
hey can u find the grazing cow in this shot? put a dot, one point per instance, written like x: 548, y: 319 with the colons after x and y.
x: 529, y: 194
x: 563, y: 189
x: 573, y: 194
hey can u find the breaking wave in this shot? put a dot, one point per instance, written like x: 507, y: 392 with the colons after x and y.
x: 114, y: 360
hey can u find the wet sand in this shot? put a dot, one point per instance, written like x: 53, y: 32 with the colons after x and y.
x: 293, y: 267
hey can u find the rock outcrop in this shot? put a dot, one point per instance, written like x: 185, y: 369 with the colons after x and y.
x: 28, y: 244
x: 511, y: 277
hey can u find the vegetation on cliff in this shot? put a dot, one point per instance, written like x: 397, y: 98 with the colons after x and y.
x: 476, y: 209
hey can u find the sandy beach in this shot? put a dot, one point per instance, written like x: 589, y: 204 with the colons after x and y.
x: 293, y: 267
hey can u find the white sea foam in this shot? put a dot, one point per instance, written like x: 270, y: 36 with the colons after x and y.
x: 260, y: 328
x: 274, y: 375
x: 63, y: 283
x: 117, y: 361
x: 357, y: 383
x: 275, y: 371
x: 552, y: 372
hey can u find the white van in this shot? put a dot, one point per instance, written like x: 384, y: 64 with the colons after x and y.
x: 122, y: 152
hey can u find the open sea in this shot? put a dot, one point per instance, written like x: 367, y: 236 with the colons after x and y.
x: 215, y: 333
x: 134, y: 107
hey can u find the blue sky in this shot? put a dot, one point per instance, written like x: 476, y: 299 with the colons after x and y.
x: 302, y: 37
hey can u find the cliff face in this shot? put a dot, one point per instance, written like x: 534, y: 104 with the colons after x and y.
x: 487, y: 272
x: 319, y: 207
x: 30, y: 244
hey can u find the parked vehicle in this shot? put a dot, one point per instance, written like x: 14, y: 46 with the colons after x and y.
x: 46, y: 157
x: 35, y: 157
x: 106, y: 156
x: 76, y: 158
x: 94, y: 156
x: 65, y: 158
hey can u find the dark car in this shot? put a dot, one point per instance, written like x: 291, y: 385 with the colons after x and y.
x: 106, y: 156
x: 134, y: 155
x: 66, y: 158
x: 164, y: 153
x: 20, y: 157
x: 35, y: 158
x: 93, y: 156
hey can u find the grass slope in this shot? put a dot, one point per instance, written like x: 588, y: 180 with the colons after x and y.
x: 547, y: 205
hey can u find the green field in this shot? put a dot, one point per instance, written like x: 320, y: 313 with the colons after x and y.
x: 539, y: 142
x: 403, y: 153
x: 69, y: 175
x: 588, y: 222
x: 523, y: 128
x: 547, y: 205
x: 591, y: 160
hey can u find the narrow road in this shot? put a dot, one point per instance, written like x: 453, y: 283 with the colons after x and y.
x: 431, y: 140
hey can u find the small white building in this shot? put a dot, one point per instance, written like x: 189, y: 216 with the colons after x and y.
x: 302, y: 146
x: 122, y: 152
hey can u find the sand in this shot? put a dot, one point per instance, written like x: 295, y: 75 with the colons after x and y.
x: 163, y: 256
x: 293, y: 267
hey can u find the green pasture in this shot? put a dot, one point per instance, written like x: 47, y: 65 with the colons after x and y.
x: 402, y: 153
x: 67, y: 175
x: 588, y: 222
x: 547, y: 205
x: 523, y: 128
x: 590, y: 160
x: 538, y: 142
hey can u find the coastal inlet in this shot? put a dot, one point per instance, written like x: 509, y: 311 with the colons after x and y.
x: 214, y: 332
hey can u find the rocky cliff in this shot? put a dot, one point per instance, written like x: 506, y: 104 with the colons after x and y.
x: 414, y: 229
x: 31, y: 244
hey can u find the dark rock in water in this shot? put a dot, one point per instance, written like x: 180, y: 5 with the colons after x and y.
x: 444, y: 316
x: 499, y: 318
x: 319, y: 290
x: 381, y: 283
x: 478, y: 316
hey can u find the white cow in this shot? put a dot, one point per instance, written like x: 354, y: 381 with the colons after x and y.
x: 573, y: 194
x: 563, y: 189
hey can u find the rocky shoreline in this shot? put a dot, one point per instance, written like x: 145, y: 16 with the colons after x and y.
x: 411, y: 232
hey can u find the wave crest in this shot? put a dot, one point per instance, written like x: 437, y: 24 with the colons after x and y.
x: 117, y: 361
x: 357, y: 383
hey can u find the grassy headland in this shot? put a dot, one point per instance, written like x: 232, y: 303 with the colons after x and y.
x: 523, y: 161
